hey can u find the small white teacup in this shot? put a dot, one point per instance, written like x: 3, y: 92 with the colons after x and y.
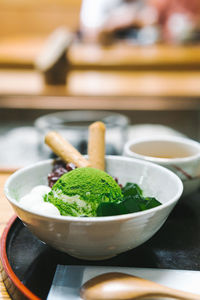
x: 181, y: 155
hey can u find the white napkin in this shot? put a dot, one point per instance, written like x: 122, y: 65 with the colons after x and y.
x: 68, y: 279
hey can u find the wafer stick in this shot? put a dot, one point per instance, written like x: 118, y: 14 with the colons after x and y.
x: 96, y: 145
x: 65, y: 150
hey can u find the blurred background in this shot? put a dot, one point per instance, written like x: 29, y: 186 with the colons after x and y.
x: 135, y: 64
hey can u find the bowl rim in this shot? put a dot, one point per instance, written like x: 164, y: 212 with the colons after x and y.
x: 174, y: 199
x: 164, y: 161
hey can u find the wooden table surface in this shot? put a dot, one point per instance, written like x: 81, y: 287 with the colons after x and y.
x: 22, y: 51
x: 6, y: 212
x: 103, y: 83
x: 120, y: 70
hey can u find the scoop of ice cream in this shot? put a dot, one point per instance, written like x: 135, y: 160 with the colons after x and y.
x: 79, y: 192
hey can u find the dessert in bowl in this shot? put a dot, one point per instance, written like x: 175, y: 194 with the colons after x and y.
x: 98, y: 237
x: 81, y: 209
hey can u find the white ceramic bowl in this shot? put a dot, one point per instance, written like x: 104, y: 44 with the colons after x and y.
x: 96, y: 238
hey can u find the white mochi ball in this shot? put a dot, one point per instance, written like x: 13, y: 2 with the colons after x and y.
x: 46, y: 208
x: 29, y: 200
x: 41, y: 190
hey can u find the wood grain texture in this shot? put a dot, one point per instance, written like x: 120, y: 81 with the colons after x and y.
x: 117, y: 103
x: 22, y: 50
x: 123, y: 56
x: 5, y: 214
x: 119, y: 70
x: 102, y: 83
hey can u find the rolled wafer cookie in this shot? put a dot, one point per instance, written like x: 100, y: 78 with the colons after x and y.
x: 96, y: 145
x: 65, y: 150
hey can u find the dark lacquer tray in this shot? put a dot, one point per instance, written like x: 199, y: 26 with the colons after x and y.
x: 28, y: 265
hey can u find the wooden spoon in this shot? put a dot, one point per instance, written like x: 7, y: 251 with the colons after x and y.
x: 120, y: 286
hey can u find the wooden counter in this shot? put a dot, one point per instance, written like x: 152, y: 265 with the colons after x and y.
x: 117, y: 103
x: 22, y: 51
x: 114, y: 77
x: 103, y: 83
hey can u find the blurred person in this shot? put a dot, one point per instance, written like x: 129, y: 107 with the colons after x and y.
x: 102, y: 19
x: 179, y: 19
x: 171, y: 21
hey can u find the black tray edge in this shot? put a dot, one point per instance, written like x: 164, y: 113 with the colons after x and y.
x: 15, y: 288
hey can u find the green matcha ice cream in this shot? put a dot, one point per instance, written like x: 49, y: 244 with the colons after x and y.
x: 79, y: 192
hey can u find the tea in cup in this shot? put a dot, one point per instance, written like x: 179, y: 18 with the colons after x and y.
x: 180, y: 155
